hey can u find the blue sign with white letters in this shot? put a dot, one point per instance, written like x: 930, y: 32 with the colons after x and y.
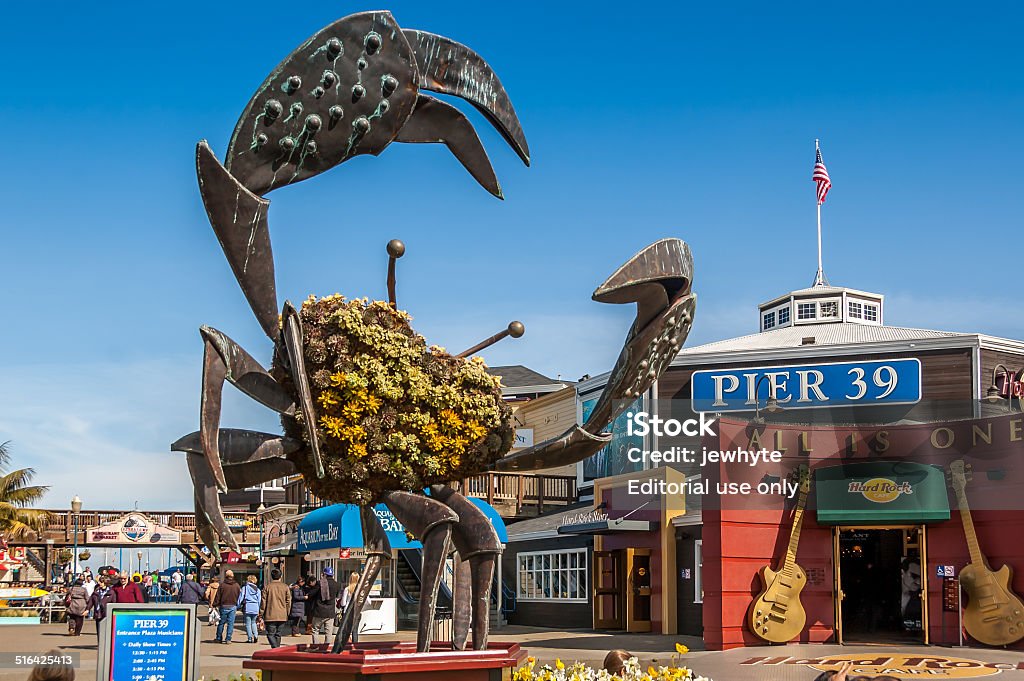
x: 843, y: 384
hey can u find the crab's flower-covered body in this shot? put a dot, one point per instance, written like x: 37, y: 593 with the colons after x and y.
x: 392, y: 412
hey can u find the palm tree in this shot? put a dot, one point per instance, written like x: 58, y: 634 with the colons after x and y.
x: 16, y: 494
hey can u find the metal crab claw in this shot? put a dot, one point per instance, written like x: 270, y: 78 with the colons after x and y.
x: 353, y: 88
x: 658, y: 279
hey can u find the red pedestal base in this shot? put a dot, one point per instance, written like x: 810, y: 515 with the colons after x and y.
x: 387, y: 661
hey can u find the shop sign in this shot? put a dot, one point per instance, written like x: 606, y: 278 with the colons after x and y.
x: 897, y: 665
x: 133, y: 528
x: 812, y: 386
x: 880, y: 490
x: 1009, y: 386
x: 524, y: 438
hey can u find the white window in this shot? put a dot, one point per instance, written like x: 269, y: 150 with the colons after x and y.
x: 769, y: 320
x: 552, y: 576
x: 829, y: 309
x: 783, y: 316
x: 871, y: 313
x: 805, y: 311
x: 856, y: 310
x: 698, y: 568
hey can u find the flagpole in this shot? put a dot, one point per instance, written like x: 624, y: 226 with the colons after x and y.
x: 819, y: 278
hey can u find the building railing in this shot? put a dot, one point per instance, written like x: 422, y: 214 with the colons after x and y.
x: 520, y: 493
x: 62, y: 523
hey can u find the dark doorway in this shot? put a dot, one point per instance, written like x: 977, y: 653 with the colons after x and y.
x: 880, y: 574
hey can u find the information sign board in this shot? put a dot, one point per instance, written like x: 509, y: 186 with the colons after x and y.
x: 148, y: 642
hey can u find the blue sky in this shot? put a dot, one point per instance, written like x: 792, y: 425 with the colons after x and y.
x: 680, y: 119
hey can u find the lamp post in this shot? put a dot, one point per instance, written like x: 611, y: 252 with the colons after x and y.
x: 771, y: 404
x: 260, y: 510
x: 139, y: 556
x: 993, y: 395
x: 76, y: 508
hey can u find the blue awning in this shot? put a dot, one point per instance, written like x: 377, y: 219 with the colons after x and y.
x: 338, y: 527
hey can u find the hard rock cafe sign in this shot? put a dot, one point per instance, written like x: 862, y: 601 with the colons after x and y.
x: 899, y: 665
x: 134, y: 528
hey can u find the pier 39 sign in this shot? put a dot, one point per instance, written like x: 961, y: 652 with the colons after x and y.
x: 843, y: 384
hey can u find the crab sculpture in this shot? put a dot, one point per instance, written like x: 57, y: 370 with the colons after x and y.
x: 371, y: 414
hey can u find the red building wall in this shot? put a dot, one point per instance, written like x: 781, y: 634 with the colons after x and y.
x: 738, y: 541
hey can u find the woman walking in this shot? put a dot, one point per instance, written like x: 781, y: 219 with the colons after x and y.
x: 101, y: 595
x: 298, y: 609
x: 348, y: 600
x: 213, y: 615
x: 77, y: 602
x: 249, y: 601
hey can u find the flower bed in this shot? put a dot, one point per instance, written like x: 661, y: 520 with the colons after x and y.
x: 631, y: 671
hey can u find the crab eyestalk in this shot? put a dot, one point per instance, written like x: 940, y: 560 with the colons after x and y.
x: 396, y: 249
x: 515, y: 329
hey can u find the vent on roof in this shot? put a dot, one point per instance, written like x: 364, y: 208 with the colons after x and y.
x: 807, y: 340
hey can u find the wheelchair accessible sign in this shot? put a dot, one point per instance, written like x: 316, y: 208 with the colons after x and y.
x: 811, y: 386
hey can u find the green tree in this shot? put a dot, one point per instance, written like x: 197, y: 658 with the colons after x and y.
x: 17, y: 520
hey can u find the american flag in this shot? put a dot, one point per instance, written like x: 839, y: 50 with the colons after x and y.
x: 820, y: 177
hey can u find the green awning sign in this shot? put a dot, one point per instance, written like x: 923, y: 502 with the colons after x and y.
x: 881, y: 492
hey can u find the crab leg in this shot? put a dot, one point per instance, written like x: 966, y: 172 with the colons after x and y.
x: 293, y: 343
x: 479, y: 546
x: 225, y: 360
x: 435, y: 121
x: 250, y: 458
x: 377, y: 549
x: 431, y: 521
x: 452, y: 68
x: 658, y: 280
x: 239, y: 218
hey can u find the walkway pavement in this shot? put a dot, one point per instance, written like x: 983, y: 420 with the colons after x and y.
x: 776, y: 663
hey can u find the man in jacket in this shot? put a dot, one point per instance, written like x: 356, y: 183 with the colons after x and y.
x: 127, y: 591
x: 226, y: 601
x: 325, y: 607
x: 275, y: 607
x: 191, y: 591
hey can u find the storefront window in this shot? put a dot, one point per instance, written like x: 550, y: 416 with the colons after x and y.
x: 553, y: 576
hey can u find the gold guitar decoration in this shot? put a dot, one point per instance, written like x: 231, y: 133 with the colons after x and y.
x: 994, y: 615
x: 776, y: 615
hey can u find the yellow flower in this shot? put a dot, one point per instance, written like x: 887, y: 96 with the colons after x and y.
x: 681, y: 649
x: 327, y: 399
x: 559, y: 664
x: 337, y: 379
x: 651, y: 671
x: 332, y: 425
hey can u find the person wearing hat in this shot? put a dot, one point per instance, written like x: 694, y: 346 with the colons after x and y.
x: 325, y: 606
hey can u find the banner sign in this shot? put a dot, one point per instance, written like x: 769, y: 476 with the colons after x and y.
x: 148, y: 642
x: 812, y: 386
x: 134, y: 528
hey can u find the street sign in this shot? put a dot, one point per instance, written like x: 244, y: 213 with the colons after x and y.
x: 148, y: 642
x: 841, y: 384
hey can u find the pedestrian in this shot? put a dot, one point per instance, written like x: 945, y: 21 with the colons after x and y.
x: 310, y: 589
x: 127, y: 591
x: 325, y: 607
x: 298, y: 609
x: 348, y: 597
x: 615, y: 661
x: 190, y: 591
x: 89, y: 583
x: 226, y: 601
x: 137, y: 581
x: 101, y: 595
x: 176, y: 579
x: 77, y: 602
x: 249, y: 601
x: 275, y: 608
x: 213, y: 616
x: 55, y: 670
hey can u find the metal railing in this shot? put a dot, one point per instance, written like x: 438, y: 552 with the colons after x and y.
x: 518, y: 491
x: 62, y: 523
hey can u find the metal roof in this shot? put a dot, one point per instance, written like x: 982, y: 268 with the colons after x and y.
x: 823, y: 334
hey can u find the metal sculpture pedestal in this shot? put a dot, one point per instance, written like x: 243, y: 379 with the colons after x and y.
x: 387, y: 661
